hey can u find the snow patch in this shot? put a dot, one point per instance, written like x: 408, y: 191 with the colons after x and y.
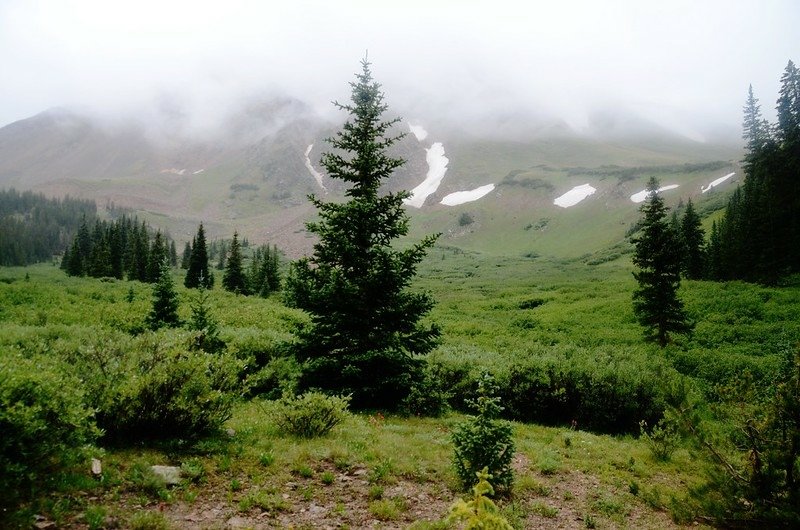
x: 437, y: 167
x: 642, y: 195
x: 574, y: 196
x: 418, y: 131
x: 716, y: 182
x: 174, y: 171
x: 460, y: 197
x: 198, y: 171
x: 314, y: 173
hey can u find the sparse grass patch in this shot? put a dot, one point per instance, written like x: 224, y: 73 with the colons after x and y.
x: 543, y: 509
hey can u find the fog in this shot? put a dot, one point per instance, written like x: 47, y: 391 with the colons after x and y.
x: 684, y: 65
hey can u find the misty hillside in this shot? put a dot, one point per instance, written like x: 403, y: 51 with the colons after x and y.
x: 252, y: 172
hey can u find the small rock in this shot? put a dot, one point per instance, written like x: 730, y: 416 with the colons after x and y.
x: 360, y: 472
x: 230, y: 432
x: 285, y: 496
x: 97, y: 467
x: 315, y: 510
x: 41, y: 525
x: 170, y: 474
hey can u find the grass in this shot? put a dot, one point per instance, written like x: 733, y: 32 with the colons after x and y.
x: 493, y: 311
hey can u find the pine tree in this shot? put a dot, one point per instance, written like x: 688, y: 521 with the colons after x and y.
x: 156, y: 258
x: 234, y: 279
x: 789, y: 104
x: 366, y: 331
x: 204, y: 324
x: 755, y: 128
x: 187, y: 256
x: 198, y: 273
x: 693, y: 239
x: 173, y: 254
x: 657, y: 256
x: 165, y: 301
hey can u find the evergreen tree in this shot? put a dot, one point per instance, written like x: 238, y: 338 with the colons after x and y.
x: 156, y: 258
x: 693, y: 239
x: 187, y: 256
x: 198, y: 273
x: 366, y: 331
x: 789, y: 105
x: 755, y: 128
x: 204, y: 324
x: 234, y: 279
x: 270, y: 272
x: 657, y: 256
x: 173, y: 254
x: 165, y: 301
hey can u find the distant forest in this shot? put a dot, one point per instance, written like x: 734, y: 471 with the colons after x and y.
x: 34, y: 228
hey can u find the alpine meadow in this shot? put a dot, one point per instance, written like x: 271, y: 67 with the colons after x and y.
x: 399, y: 312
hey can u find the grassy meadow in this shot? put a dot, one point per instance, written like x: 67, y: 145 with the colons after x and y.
x: 559, y: 337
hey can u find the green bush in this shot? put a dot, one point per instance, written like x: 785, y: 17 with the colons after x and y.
x: 480, y: 512
x: 156, y: 387
x: 427, y: 397
x: 483, y: 442
x: 44, y: 424
x: 311, y: 414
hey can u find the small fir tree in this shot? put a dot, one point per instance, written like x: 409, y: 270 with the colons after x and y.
x: 165, y: 301
x: 366, y: 330
x: 203, y: 323
x: 234, y: 279
x: 658, y: 258
x: 484, y: 442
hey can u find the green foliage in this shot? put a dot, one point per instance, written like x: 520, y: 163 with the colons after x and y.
x: 752, y: 439
x: 198, y: 273
x: 427, y: 397
x: 164, y: 312
x: 33, y: 228
x: 484, y: 442
x: 44, y: 421
x: 658, y: 258
x: 480, y: 512
x: 663, y: 439
x: 155, y: 387
x: 310, y: 415
x: 366, y: 325
x: 203, y: 323
x: 234, y: 279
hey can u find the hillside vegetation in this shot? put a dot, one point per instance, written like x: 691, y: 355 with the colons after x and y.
x: 559, y: 337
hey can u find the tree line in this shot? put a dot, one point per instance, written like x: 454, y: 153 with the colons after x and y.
x: 758, y: 239
x: 122, y: 248
x: 34, y: 228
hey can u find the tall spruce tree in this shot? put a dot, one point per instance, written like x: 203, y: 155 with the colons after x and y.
x: 186, y: 256
x: 198, y: 273
x: 366, y: 330
x: 234, y: 279
x: 658, y: 258
x: 693, y: 239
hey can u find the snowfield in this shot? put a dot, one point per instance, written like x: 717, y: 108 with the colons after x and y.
x: 716, y: 182
x: 437, y: 167
x: 460, y: 197
x: 642, y: 195
x: 418, y: 131
x: 314, y: 173
x: 574, y: 196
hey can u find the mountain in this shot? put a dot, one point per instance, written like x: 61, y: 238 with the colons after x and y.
x: 252, y: 170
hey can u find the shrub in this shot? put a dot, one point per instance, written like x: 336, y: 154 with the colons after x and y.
x: 155, y: 387
x: 311, y: 414
x: 427, y: 397
x: 483, y: 442
x: 662, y: 439
x: 44, y: 423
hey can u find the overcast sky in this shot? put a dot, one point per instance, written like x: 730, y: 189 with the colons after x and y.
x: 667, y: 60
